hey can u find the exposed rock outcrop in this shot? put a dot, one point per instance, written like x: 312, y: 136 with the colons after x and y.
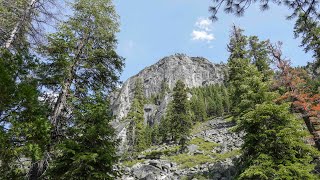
x: 218, y: 166
x: 194, y: 71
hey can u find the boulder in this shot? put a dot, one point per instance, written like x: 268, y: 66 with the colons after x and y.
x: 144, y: 170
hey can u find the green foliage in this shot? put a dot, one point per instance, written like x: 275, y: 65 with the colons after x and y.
x: 198, y: 127
x: 198, y: 108
x: 11, y: 13
x: 237, y: 45
x: 259, y: 55
x: 203, y: 145
x: 157, y: 98
x: 249, y: 49
x: 89, y: 151
x: 156, y: 134
x: 212, y: 100
x: 230, y: 154
x: 188, y: 161
x: 89, y: 33
x: 140, y: 138
x: 82, y: 66
x: 24, y: 129
x: 156, y: 154
x: 148, y: 135
x: 208, y: 101
x: 130, y: 163
x: 247, y: 84
x: 273, y: 146
x: 165, y: 128
x: 309, y: 30
x: 273, y: 143
x: 181, y: 121
x: 306, y: 14
x: 176, y: 124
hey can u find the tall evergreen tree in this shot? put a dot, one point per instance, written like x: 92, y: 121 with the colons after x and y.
x: 259, y: 55
x: 136, y: 115
x: 198, y: 108
x: 273, y: 145
x: 237, y: 44
x: 244, y: 83
x: 180, y: 122
x: 305, y: 12
x: 89, y: 152
x: 24, y: 129
x: 81, y: 64
x: 226, y: 99
x: 165, y: 127
x: 273, y: 142
x: 219, y: 104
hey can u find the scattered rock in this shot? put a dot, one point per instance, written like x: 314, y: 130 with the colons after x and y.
x: 214, y: 130
x: 155, y: 163
x: 192, y: 148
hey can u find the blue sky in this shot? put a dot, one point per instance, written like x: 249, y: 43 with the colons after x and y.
x: 152, y: 29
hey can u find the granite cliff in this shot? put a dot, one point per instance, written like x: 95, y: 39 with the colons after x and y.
x: 194, y: 71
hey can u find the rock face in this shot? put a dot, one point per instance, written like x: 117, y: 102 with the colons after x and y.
x: 193, y: 71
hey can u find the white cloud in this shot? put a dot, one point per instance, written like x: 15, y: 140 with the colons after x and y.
x: 202, y: 36
x: 202, y: 30
x: 204, y: 24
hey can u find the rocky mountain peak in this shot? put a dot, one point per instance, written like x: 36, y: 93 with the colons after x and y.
x: 194, y: 71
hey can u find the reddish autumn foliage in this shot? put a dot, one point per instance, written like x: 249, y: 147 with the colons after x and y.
x: 293, y: 87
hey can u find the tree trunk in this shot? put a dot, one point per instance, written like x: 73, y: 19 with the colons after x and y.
x: 38, y: 168
x: 27, y: 13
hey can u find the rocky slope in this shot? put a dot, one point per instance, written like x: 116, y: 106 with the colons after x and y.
x: 211, y: 154
x: 194, y: 71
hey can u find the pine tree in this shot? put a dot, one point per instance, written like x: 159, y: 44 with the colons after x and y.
x: 211, y: 106
x: 198, y: 107
x: 89, y: 152
x: 165, y: 127
x: 180, y: 122
x: 155, y: 134
x: 238, y: 7
x: 309, y: 30
x: 273, y: 146
x: 136, y: 114
x: 306, y: 14
x: 219, y: 105
x: 237, y: 45
x: 24, y: 129
x: 226, y: 99
x: 245, y: 84
x: 259, y: 55
x: 273, y: 142
x: 81, y: 64
x: 148, y: 130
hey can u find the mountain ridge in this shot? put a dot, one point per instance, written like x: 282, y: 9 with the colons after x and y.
x: 168, y: 69
x: 193, y: 71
